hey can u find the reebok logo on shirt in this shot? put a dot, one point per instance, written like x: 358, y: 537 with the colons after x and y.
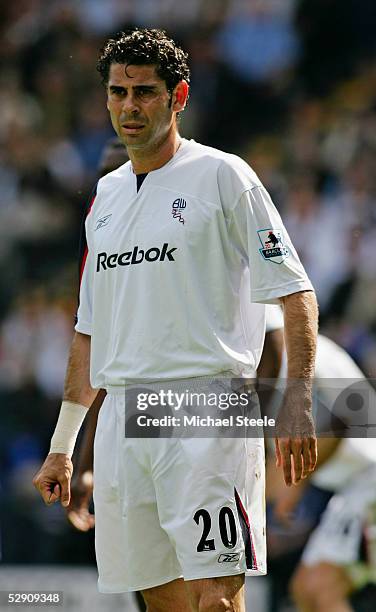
x: 103, y: 221
x: 136, y: 256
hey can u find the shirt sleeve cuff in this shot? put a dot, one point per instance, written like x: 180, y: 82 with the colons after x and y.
x: 83, y: 327
x: 271, y: 296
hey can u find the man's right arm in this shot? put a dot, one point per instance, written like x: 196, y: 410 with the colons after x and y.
x: 82, y: 483
x: 54, y: 477
x: 77, y: 386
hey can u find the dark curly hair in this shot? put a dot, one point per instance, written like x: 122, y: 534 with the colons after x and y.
x: 145, y: 47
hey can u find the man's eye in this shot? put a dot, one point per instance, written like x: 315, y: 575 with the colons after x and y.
x: 144, y: 92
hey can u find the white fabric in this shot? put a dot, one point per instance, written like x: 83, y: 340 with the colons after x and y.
x: 67, y: 427
x: 274, y: 318
x: 337, y: 538
x: 198, y: 308
x: 353, y: 455
x: 147, y: 492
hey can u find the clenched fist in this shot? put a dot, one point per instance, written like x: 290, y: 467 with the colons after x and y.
x: 54, y: 478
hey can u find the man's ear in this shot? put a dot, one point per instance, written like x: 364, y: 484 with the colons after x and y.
x: 180, y: 96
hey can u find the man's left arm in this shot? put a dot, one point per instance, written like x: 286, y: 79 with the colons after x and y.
x: 296, y: 444
x: 277, y: 275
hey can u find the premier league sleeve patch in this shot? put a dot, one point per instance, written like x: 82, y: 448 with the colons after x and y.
x: 273, y: 248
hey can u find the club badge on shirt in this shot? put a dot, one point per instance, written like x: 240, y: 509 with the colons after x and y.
x: 273, y: 248
x: 178, y: 206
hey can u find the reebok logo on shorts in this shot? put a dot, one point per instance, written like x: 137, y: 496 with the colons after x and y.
x: 135, y: 256
x: 229, y: 558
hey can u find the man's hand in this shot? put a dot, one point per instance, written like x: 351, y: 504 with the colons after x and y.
x: 296, y: 443
x: 53, y: 479
x: 78, y: 510
x: 297, y: 457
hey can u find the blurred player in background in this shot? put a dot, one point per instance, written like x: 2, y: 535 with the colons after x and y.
x: 167, y: 295
x: 338, y: 559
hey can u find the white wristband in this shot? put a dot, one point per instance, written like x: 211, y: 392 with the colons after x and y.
x: 67, y: 427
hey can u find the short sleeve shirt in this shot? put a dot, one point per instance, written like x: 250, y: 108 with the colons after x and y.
x: 178, y: 273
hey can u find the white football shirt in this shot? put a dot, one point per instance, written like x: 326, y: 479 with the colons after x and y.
x: 177, y: 274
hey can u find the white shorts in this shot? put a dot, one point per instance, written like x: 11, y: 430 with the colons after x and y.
x: 337, y: 538
x: 175, y: 507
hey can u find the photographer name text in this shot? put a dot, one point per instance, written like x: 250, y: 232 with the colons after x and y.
x: 204, y: 421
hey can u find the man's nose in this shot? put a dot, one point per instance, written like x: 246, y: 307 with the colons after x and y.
x: 130, y: 105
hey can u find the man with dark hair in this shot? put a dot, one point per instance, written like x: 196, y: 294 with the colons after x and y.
x: 177, y: 302
x: 146, y: 48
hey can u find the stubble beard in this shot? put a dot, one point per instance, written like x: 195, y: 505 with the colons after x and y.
x: 147, y: 143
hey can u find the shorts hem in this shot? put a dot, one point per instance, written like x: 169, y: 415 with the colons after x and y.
x: 158, y: 582
x: 256, y: 572
x: 247, y: 572
x: 129, y: 589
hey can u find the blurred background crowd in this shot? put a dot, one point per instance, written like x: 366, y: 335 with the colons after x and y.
x: 290, y: 85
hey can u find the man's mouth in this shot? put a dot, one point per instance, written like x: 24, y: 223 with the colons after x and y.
x: 132, y: 127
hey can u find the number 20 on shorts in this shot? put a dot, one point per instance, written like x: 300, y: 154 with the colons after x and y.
x: 227, y: 528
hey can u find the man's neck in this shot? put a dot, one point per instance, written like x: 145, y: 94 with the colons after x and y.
x: 144, y: 161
